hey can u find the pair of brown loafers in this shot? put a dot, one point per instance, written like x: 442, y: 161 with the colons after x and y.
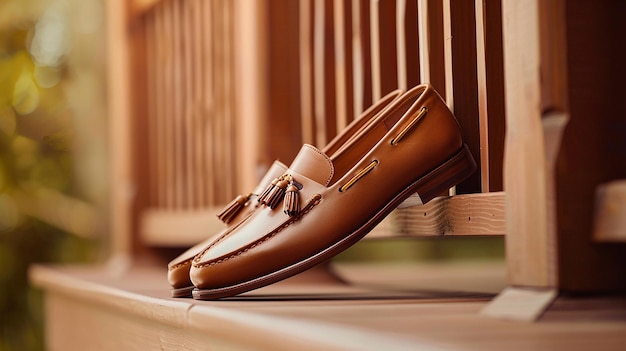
x: 327, y: 200
x: 178, y: 268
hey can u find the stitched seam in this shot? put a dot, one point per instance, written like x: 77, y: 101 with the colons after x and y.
x: 180, y: 264
x: 230, y: 230
x: 312, y: 203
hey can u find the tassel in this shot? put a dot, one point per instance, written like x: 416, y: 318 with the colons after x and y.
x: 276, y: 194
x: 277, y: 190
x: 233, y: 208
x: 291, y: 206
x: 265, y: 193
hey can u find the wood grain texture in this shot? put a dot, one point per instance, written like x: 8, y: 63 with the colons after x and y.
x: 474, y: 214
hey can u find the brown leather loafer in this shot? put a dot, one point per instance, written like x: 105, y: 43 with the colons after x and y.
x: 242, y: 206
x: 178, y: 268
x: 324, y: 204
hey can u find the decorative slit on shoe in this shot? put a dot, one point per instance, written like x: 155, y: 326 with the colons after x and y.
x: 405, y: 130
x: 358, y: 176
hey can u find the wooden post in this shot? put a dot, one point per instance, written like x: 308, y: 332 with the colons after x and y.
x: 530, y: 258
x: 565, y: 134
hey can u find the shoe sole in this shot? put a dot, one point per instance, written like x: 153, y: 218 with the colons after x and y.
x: 453, y: 171
x: 182, y: 292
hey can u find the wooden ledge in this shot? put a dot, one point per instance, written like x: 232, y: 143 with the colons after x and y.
x: 89, y: 308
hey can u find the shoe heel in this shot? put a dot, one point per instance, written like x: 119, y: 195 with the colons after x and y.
x: 452, y: 172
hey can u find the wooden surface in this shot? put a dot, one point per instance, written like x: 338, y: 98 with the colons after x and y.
x: 409, y: 307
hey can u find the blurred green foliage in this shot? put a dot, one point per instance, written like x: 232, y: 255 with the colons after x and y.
x: 426, y: 249
x: 37, y: 142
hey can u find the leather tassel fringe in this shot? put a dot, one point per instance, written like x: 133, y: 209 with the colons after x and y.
x: 291, y: 206
x: 264, y: 194
x: 276, y: 192
x: 233, y: 208
x: 283, y: 187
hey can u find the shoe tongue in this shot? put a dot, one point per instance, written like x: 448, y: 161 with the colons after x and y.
x: 313, y: 164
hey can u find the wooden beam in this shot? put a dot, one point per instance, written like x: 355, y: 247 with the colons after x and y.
x: 460, y: 215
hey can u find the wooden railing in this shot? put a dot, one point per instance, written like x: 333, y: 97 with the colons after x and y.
x: 221, y: 88
x: 353, y: 52
x: 190, y: 105
x: 298, y: 71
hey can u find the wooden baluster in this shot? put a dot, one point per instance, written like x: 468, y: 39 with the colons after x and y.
x: 187, y: 113
x: 375, y: 49
x: 401, y: 44
x: 341, y: 65
x: 306, y: 71
x: 358, y: 85
x: 197, y: 104
x: 208, y: 96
